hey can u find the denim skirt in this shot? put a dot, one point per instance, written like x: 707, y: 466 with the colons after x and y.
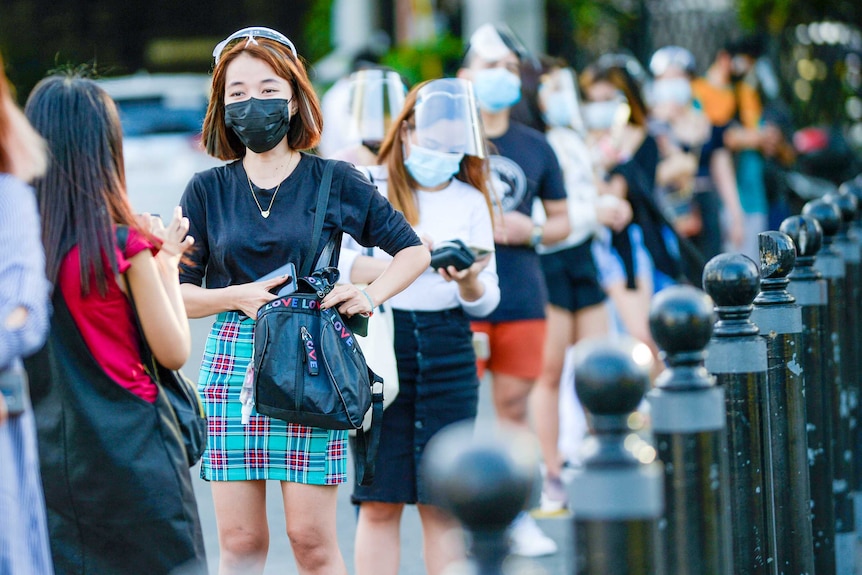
x: 438, y: 386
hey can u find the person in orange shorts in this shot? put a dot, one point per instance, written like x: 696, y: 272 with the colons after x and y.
x: 524, y: 168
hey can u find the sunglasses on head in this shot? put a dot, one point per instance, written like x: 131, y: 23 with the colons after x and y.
x: 250, y: 36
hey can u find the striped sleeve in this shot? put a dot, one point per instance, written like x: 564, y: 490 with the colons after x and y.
x: 22, y: 272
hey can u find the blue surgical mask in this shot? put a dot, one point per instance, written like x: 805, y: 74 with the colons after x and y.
x: 672, y: 90
x: 600, y: 115
x: 431, y: 168
x: 496, y: 89
x: 558, y: 110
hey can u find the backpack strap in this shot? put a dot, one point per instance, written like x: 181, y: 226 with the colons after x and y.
x: 319, y: 215
x: 367, y: 442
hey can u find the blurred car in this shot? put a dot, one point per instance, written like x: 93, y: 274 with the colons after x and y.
x: 162, y: 116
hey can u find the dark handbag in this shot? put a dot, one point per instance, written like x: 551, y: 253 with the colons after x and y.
x: 452, y: 253
x: 180, y: 391
x: 308, y: 368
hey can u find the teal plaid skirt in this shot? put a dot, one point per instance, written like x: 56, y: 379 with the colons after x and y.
x: 265, y: 448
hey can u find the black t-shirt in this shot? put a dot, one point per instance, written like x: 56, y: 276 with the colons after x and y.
x: 235, y: 244
x: 524, y: 168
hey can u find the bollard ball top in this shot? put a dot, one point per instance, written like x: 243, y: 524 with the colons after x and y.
x: 846, y: 202
x: 777, y: 254
x: 827, y: 214
x: 681, y: 319
x: 853, y: 187
x: 806, y: 233
x: 482, y: 477
x: 731, y: 280
x: 611, y: 377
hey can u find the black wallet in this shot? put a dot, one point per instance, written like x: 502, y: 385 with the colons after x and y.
x: 452, y: 253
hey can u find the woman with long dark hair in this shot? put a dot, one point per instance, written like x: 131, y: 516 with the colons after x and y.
x: 433, y: 168
x: 117, y: 486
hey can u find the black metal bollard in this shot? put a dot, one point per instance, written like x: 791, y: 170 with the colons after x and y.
x: 848, y: 245
x: 484, y: 481
x: 689, y: 421
x: 779, y: 319
x: 617, y: 496
x: 831, y: 265
x: 854, y: 189
x: 810, y: 291
x: 737, y: 357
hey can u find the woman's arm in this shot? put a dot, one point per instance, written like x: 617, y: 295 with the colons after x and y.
x: 247, y: 298
x: 24, y: 290
x: 407, y: 265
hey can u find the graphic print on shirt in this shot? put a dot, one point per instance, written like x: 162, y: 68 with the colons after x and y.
x: 509, y: 181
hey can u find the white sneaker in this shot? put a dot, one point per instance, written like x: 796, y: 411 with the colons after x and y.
x: 528, y: 540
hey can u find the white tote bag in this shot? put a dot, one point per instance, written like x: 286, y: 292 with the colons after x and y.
x: 379, y: 350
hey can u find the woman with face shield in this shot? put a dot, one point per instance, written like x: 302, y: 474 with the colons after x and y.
x: 643, y: 257
x: 432, y: 167
x: 371, y: 99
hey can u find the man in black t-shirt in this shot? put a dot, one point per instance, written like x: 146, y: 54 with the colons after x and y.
x: 523, y: 168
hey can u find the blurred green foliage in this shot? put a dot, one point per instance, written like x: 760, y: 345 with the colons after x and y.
x: 317, y: 30
x: 426, y: 60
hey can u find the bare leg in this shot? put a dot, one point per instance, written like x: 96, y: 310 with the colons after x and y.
x: 243, y: 533
x: 510, y: 395
x: 545, y: 397
x: 443, y: 542
x: 378, y: 539
x: 633, y: 308
x: 309, y: 511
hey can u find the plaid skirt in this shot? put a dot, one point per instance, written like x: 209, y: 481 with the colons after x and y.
x: 265, y: 448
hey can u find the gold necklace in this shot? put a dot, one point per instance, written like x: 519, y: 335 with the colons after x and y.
x: 265, y: 213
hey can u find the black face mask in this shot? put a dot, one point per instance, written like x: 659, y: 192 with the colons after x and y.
x: 259, y: 124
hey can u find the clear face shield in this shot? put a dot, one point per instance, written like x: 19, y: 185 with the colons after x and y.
x: 376, y: 98
x: 249, y: 36
x: 446, y: 118
x: 558, y: 98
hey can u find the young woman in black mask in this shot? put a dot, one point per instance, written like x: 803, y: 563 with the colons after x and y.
x: 249, y: 218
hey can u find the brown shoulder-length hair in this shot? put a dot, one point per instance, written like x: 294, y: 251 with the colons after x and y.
x: 624, y: 82
x: 22, y: 150
x: 305, y: 126
x: 474, y: 170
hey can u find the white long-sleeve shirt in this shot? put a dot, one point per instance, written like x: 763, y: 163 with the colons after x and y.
x: 574, y: 158
x: 459, y: 212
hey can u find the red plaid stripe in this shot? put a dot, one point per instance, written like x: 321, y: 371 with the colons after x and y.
x: 257, y: 458
x: 229, y: 332
x: 335, y: 449
x: 216, y: 393
x: 297, y: 430
x: 217, y: 425
x: 218, y: 458
x: 257, y: 425
x: 296, y: 460
x: 222, y: 364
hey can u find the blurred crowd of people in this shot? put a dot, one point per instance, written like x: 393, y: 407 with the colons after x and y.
x: 656, y: 168
x: 568, y: 198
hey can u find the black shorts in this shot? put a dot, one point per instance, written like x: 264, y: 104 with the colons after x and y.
x: 572, y: 278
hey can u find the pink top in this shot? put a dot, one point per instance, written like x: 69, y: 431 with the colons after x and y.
x: 108, y: 323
